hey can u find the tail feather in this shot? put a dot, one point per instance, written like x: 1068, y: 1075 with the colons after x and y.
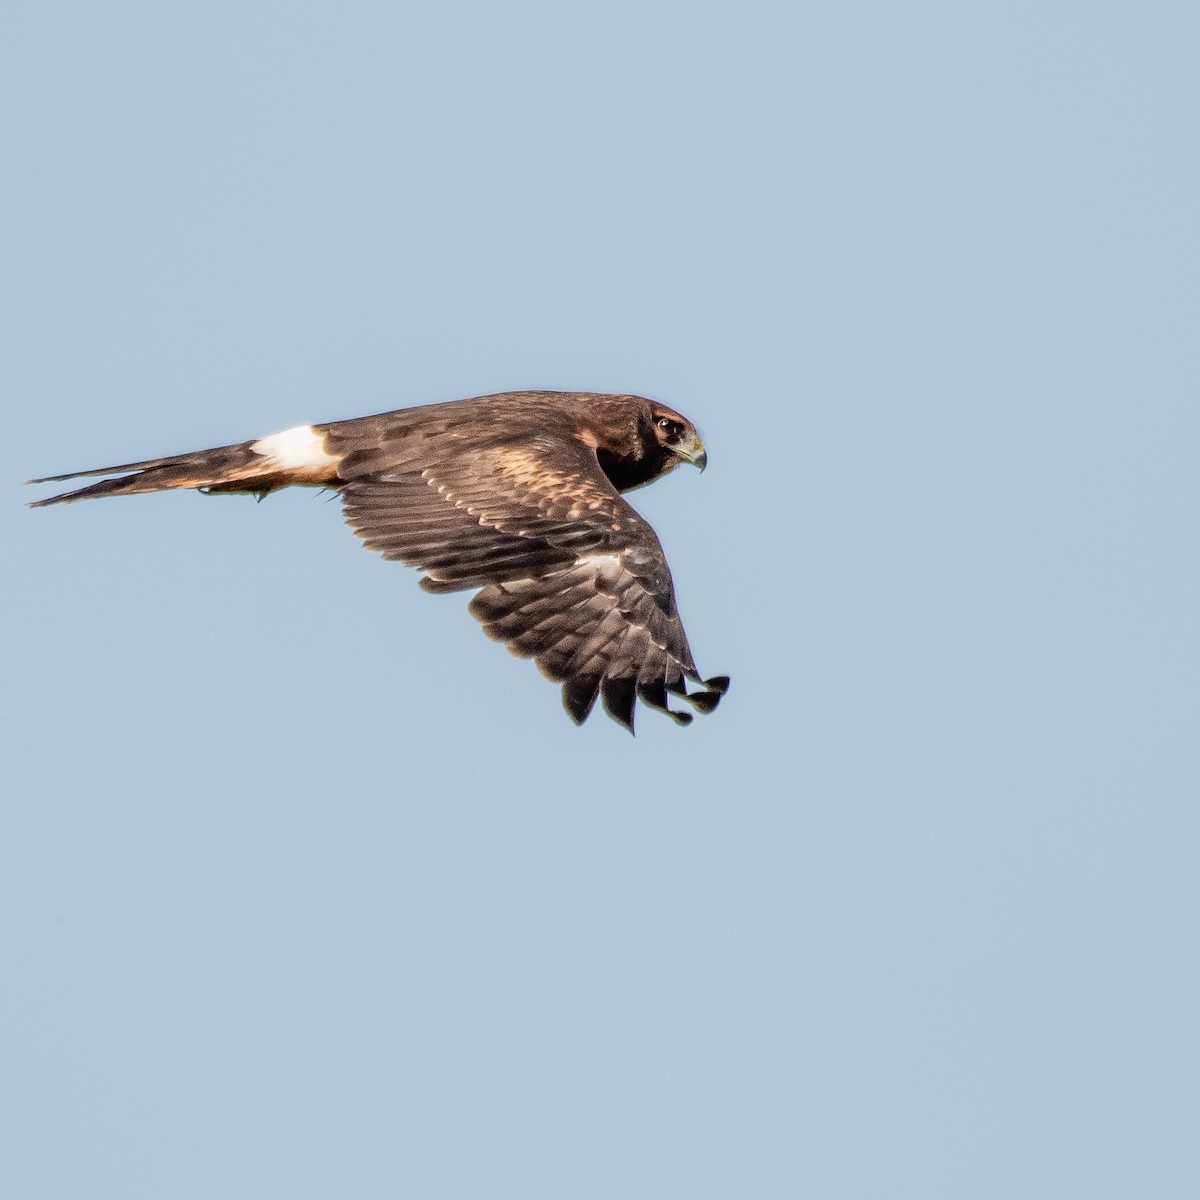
x: 226, y: 468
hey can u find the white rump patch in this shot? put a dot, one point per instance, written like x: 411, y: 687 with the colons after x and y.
x: 299, y: 449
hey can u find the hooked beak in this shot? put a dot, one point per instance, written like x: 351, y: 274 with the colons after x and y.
x: 693, y: 451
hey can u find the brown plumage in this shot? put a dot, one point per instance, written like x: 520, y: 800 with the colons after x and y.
x: 516, y: 494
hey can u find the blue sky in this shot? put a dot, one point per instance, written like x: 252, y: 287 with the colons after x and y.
x: 309, y: 889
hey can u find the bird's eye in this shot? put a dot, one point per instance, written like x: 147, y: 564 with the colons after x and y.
x: 669, y: 427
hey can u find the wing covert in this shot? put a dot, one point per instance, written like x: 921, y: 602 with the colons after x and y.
x: 570, y: 575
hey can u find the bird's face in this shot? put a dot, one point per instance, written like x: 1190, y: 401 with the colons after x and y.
x: 678, y: 436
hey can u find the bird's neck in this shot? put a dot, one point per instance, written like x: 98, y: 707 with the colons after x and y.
x: 630, y: 470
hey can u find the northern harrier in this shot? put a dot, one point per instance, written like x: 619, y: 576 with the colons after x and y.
x: 517, y: 494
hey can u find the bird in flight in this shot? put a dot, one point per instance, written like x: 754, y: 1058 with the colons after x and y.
x: 516, y: 494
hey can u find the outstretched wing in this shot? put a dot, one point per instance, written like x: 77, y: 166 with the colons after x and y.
x: 570, y: 575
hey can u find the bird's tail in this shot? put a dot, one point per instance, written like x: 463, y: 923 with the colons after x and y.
x: 254, y: 467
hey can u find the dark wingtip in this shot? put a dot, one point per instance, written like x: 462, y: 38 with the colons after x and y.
x: 578, y: 697
x: 618, y: 696
x: 704, y: 702
x: 654, y: 695
x: 709, y: 694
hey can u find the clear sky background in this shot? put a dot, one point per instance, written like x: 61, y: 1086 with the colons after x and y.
x: 309, y: 890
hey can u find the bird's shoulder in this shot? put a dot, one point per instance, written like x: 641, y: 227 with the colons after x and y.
x: 499, y: 416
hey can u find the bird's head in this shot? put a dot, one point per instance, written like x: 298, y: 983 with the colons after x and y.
x: 678, y: 436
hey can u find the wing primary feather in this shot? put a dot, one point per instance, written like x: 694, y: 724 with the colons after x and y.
x: 710, y: 693
x: 524, y: 621
x: 654, y: 695
x: 579, y: 695
x: 703, y: 702
x: 618, y: 696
